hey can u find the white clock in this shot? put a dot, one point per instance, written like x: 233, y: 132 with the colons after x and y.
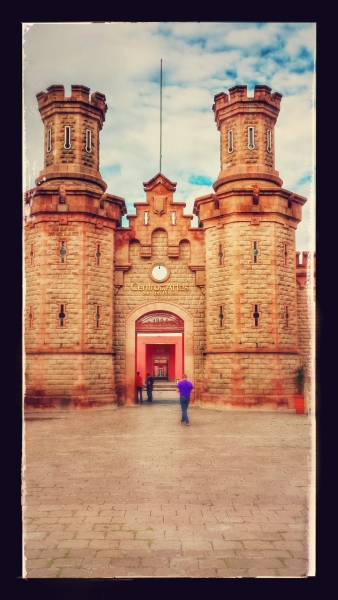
x: 159, y: 272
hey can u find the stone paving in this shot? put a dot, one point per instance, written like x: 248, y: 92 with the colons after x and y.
x: 129, y: 492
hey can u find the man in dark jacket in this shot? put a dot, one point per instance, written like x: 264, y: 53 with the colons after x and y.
x: 150, y: 385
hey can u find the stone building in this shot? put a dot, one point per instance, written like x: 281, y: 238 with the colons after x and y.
x: 226, y: 301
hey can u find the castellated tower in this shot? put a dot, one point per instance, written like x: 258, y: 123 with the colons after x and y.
x: 249, y: 225
x: 69, y: 255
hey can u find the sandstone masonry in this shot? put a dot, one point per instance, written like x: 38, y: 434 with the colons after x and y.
x: 235, y: 281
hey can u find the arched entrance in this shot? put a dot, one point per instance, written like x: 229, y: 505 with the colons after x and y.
x: 160, y: 345
x: 159, y: 340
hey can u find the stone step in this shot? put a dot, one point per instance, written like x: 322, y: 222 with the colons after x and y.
x: 165, y: 394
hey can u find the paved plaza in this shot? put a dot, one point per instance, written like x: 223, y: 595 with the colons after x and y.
x: 129, y: 492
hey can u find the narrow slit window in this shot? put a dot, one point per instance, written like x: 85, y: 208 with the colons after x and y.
x: 30, y: 317
x: 255, y: 252
x: 286, y: 314
x: 251, y: 138
x: 256, y: 315
x: 67, y: 143
x: 220, y: 255
x: 289, y: 203
x: 49, y: 140
x: 32, y: 255
x: 221, y: 315
x: 230, y: 141
x: 173, y: 217
x: 146, y: 217
x: 285, y: 255
x: 98, y: 254
x: 97, y: 317
x: 63, y: 252
x: 269, y: 140
x: 216, y: 204
x: 62, y: 315
x: 88, y: 140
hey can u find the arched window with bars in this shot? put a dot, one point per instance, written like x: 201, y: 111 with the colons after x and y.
x: 251, y: 138
x: 88, y: 140
x: 230, y: 141
x: 67, y: 144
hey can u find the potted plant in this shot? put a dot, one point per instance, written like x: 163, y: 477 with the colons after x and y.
x: 299, y: 397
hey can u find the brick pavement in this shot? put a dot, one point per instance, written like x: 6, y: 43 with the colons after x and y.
x: 129, y: 492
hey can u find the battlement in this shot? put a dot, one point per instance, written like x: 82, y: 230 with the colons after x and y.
x: 302, y: 268
x: 304, y: 264
x: 79, y: 93
x: 239, y: 93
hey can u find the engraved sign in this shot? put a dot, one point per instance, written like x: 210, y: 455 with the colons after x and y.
x: 159, y: 321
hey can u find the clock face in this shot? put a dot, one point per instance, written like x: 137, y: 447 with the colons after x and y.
x: 159, y: 272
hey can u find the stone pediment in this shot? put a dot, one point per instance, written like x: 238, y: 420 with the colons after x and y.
x: 159, y: 180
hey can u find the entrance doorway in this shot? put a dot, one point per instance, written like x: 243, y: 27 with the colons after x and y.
x: 161, y: 357
x: 160, y: 345
x: 160, y: 368
x: 143, y: 321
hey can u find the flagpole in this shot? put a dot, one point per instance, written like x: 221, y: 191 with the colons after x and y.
x: 161, y: 118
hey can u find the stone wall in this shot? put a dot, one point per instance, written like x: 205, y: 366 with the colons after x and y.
x: 306, y: 322
x: 248, y: 380
x: 239, y: 284
x: 126, y: 300
x: 69, y: 359
x: 262, y: 376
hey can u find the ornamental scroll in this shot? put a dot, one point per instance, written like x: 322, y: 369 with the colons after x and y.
x: 160, y: 321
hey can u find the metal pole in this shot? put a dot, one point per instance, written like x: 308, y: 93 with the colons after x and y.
x: 161, y: 118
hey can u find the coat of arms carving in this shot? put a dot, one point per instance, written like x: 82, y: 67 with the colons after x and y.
x: 159, y: 205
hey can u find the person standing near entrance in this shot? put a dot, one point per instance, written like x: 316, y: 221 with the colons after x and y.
x: 150, y: 385
x: 184, y: 387
x: 139, y: 383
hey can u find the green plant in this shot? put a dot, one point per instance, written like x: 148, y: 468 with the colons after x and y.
x: 300, y: 379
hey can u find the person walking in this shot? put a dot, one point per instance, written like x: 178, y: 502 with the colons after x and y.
x: 184, y: 387
x: 139, y: 383
x: 150, y: 385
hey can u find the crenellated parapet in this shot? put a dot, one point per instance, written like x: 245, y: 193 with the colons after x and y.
x: 304, y: 266
x: 238, y: 93
x: 79, y: 93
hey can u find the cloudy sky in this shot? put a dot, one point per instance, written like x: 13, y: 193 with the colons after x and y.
x: 122, y: 60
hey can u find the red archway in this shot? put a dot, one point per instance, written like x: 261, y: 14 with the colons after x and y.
x: 130, y: 356
x: 160, y: 345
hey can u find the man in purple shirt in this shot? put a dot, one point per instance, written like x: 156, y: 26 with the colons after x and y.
x: 184, y: 387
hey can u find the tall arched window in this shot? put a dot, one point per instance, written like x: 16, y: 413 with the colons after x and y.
x: 88, y: 140
x: 230, y: 141
x: 67, y: 143
x: 49, y: 140
x: 251, y: 138
x: 269, y: 140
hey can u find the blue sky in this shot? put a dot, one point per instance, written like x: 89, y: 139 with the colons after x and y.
x: 122, y: 60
